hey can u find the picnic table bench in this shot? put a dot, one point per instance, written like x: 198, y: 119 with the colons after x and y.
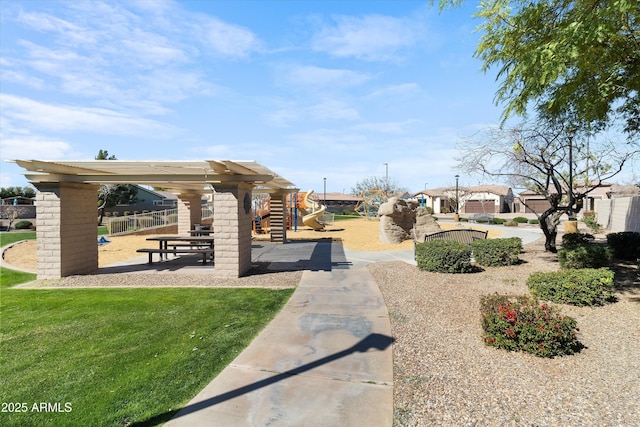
x: 181, y: 245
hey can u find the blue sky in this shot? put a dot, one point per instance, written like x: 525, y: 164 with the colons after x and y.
x: 311, y: 89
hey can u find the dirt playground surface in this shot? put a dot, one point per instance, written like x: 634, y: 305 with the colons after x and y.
x: 359, y: 234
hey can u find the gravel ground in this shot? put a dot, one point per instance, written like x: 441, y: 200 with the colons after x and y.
x: 445, y: 375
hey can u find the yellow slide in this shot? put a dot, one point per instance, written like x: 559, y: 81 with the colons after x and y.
x: 310, y: 219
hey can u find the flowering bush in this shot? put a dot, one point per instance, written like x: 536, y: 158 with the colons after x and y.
x: 521, y: 323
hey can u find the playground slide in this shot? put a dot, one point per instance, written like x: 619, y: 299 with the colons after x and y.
x: 310, y: 219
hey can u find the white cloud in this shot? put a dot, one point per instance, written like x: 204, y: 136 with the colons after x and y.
x: 318, y: 76
x: 370, y: 38
x: 396, y: 91
x: 27, y: 146
x: 397, y: 128
x: 226, y: 39
x: 34, y: 114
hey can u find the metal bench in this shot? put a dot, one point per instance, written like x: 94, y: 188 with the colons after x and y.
x: 465, y: 235
x: 482, y: 217
x: 204, y: 251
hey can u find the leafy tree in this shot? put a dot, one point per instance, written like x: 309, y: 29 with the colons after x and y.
x: 104, y: 155
x: 576, y: 62
x: 7, y: 192
x: 537, y: 158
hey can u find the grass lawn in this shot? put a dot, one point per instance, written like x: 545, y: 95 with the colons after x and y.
x: 117, y: 357
x: 16, y: 236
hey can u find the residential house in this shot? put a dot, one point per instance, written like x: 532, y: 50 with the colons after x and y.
x: 475, y: 199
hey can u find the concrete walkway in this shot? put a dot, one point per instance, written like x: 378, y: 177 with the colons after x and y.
x: 325, y: 360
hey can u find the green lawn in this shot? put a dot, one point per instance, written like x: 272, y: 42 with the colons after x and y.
x: 16, y: 236
x: 115, y: 357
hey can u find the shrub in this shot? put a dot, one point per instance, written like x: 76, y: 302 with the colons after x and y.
x: 510, y: 224
x: 534, y: 221
x: 573, y: 240
x: 499, y: 221
x: 625, y: 245
x: 23, y: 225
x: 584, y: 287
x: 521, y: 220
x: 589, y: 218
x: 520, y: 323
x: 444, y: 256
x: 584, y: 256
x: 579, y: 251
x: 497, y: 252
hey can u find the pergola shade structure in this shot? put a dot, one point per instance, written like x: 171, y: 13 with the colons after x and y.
x: 67, y: 202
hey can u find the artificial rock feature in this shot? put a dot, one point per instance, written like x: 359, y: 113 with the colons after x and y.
x: 398, y: 218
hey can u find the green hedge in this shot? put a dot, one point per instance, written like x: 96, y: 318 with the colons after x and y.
x: 23, y: 225
x: 583, y: 287
x: 520, y: 220
x: 578, y: 251
x: 497, y: 252
x: 585, y: 256
x: 444, y: 256
x: 520, y: 323
x: 625, y: 245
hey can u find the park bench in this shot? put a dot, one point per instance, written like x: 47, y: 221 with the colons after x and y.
x: 464, y: 235
x: 205, y: 251
x: 482, y: 217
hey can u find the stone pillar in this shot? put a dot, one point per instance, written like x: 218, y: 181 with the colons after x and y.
x: 232, y: 225
x: 189, y: 211
x: 278, y: 217
x: 66, y: 229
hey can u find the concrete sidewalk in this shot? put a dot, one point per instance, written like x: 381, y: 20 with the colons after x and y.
x: 325, y: 360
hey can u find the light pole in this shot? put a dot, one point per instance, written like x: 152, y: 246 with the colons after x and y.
x: 457, y: 216
x: 325, y: 191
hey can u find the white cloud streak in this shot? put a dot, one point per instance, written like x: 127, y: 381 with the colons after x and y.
x: 61, y: 118
x: 369, y: 38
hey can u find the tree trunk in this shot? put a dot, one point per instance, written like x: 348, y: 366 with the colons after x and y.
x: 549, y: 221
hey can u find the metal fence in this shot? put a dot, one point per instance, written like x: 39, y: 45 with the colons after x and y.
x: 144, y: 221
x: 207, y: 212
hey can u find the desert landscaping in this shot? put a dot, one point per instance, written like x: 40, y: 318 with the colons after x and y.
x: 444, y: 374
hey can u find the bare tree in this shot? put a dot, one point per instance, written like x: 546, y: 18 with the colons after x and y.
x: 12, y: 213
x: 550, y: 162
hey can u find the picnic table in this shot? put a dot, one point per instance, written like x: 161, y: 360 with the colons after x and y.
x: 180, y: 245
x: 201, y: 232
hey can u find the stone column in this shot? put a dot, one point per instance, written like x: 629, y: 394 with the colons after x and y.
x: 232, y: 225
x: 189, y: 211
x: 278, y: 217
x: 66, y: 229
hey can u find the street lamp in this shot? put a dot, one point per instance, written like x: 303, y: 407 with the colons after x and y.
x: 325, y: 191
x: 457, y: 203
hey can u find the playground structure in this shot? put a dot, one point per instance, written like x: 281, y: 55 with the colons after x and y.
x: 312, y: 213
x: 311, y: 218
x: 370, y: 201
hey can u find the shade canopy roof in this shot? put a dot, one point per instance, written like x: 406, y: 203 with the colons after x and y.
x: 180, y: 176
